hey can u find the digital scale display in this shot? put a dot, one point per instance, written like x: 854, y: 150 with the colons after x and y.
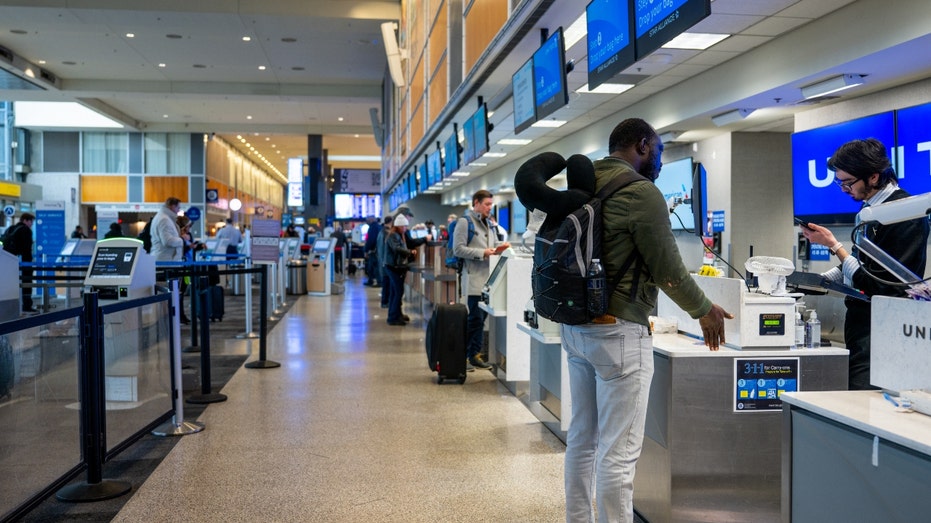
x: 759, y: 382
x: 772, y: 324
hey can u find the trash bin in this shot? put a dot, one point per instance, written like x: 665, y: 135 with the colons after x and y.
x: 297, y: 277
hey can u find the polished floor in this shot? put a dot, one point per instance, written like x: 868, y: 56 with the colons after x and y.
x: 353, y: 427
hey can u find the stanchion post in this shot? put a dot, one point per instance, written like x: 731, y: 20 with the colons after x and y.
x: 177, y: 426
x: 247, y: 278
x: 93, y: 412
x: 262, y: 362
x: 205, y: 396
x: 193, y: 290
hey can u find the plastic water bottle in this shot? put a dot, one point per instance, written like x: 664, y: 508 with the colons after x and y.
x: 596, y: 288
x: 799, y: 331
x: 813, y: 331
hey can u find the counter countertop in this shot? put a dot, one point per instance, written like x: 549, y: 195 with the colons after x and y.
x: 682, y: 346
x: 868, y: 411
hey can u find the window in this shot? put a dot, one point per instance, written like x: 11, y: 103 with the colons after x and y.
x: 167, y: 153
x: 105, y: 152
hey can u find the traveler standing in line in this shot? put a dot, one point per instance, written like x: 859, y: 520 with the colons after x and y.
x: 116, y: 231
x: 611, y: 359
x: 862, y: 169
x: 233, y: 238
x: 18, y: 241
x: 475, y: 269
x: 399, y: 257
x: 370, y: 248
x: 340, y: 246
x: 167, y: 244
x: 381, y: 249
x: 78, y: 233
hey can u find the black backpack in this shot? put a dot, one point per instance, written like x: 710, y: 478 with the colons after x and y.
x: 561, y: 256
x: 9, y: 238
x: 146, y: 236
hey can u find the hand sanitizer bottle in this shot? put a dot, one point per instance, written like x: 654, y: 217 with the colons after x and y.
x: 813, y: 331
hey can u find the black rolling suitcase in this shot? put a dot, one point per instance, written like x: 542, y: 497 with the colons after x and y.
x: 446, y: 342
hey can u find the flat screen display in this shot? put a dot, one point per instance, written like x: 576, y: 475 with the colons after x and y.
x: 815, y: 196
x: 113, y: 262
x: 423, y: 179
x: 468, y: 148
x: 549, y: 71
x: 451, y: 154
x: 610, y: 46
x: 434, y: 168
x: 356, y: 206
x: 497, y: 271
x: 321, y: 246
x: 675, y: 182
x: 659, y: 22
x: 525, y: 110
x: 504, y: 217
x: 518, y: 217
x: 68, y: 248
x: 84, y: 248
x: 479, y: 133
x: 913, y: 136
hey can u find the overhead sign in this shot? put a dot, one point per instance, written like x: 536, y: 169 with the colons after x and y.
x: 357, y: 181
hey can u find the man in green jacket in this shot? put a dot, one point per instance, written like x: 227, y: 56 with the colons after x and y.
x: 611, y: 359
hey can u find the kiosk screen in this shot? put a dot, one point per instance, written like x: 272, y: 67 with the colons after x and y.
x: 113, y: 262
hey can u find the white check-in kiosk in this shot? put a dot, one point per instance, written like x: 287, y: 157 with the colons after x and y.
x: 120, y: 269
x: 9, y: 287
x: 319, y: 270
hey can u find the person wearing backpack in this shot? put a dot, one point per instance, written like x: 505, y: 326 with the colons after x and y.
x: 474, y: 240
x: 18, y: 240
x: 611, y: 359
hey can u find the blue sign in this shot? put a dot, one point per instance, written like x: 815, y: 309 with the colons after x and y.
x: 717, y: 221
x: 815, y: 196
x: 193, y: 213
x: 650, y: 13
x: 819, y: 253
x: 213, y: 196
x: 549, y: 71
x: 913, y: 141
x: 659, y: 21
x: 9, y: 210
x: 610, y: 47
x: 760, y: 382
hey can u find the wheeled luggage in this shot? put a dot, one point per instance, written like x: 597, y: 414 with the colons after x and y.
x: 214, y: 304
x: 446, y: 342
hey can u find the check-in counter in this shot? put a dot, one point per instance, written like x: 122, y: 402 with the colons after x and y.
x: 713, y: 438
x: 854, y: 456
x: 548, y: 395
x: 507, y: 347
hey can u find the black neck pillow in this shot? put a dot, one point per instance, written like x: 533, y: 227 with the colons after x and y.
x: 533, y: 193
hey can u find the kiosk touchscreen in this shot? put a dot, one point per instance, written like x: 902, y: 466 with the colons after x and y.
x: 120, y: 269
x: 84, y: 247
x: 293, y: 251
x: 320, y: 267
x: 494, y: 292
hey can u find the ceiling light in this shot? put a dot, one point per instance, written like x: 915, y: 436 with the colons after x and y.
x: 41, y: 62
x: 494, y: 155
x: 670, y: 136
x: 164, y: 116
x: 459, y: 174
x: 261, y: 68
x: 730, y: 117
x: 514, y: 141
x: 576, y: 31
x: 549, y: 123
x: 477, y: 164
x: 249, y: 117
x: 162, y: 65
x: 247, y: 39
x: 130, y: 35
x: 340, y: 118
x: 606, y: 89
x: 699, y: 41
x: 831, y: 85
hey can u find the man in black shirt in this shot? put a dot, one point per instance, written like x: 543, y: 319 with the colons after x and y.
x: 18, y: 241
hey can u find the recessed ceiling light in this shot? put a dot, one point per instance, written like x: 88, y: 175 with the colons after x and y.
x: 699, y: 41
x: 130, y: 35
x: 273, y: 146
x: 355, y: 136
x: 248, y: 144
x: 164, y: 116
x: 549, y: 123
x: 340, y: 118
x: 261, y: 68
x: 495, y: 155
x: 267, y: 138
x: 249, y: 117
x: 514, y: 141
x: 247, y: 39
x: 239, y: 137
x: 162, y: 65
x: 605, y: 89
x: 41, y: 62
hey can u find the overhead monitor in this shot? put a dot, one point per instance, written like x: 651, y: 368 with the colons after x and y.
x: 610, y: 46
x: 675, y: 182
x: 480, y: 132
x: 525, y: 111
x: 423, y: 176
x: 434, y: 168
x: 659, y: 22
x: 549, y: 72
x: 451, y: 153
x: 468, y: 147
x: 356, y: 206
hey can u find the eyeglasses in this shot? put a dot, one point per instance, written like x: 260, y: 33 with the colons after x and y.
x: 846, y: 186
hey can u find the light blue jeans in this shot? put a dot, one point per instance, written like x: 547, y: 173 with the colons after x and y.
x: 610, y: 370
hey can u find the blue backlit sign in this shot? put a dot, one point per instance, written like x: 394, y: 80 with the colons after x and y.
x: 549, y: 71
x: 659, y: 21
x: 610, y: 47
x: 913, y: 144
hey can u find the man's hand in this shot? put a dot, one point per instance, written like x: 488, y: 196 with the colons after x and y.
x: 712, y: 326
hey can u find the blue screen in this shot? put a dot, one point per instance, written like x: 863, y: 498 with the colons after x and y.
x: 675, y: 182
x: 525, y: 112
x: 549, y: 71
x: 479, y: 133
x: 610, y: 48
x: 468, y: 148
x: 433, y: 168
x: 451, y: 152
x: 424, y: 177
x: 913, y: 138
x: 815, y: 197
x: 649, y: 13
x: 518, y: 217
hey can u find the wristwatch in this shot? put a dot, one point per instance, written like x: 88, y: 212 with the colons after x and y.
x: 837, y: 246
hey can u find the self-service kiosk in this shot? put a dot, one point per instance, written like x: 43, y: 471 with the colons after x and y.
x: 120, y: 269
x: 494, y: 292
x: 9, y: 287
x: 319, y: 270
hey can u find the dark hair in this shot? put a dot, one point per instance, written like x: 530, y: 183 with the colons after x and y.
x: 172, y: 201
x: 628, y: 133
x: 480, y: 195
x: 389, y: 219
x: 27, y: 216
x: 862, y: 158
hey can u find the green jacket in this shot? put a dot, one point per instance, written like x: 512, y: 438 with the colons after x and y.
x: 637, y: 217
